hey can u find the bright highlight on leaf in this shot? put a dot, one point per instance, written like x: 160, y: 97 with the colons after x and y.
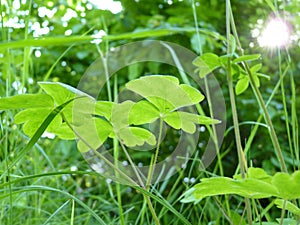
x: 276, y: 34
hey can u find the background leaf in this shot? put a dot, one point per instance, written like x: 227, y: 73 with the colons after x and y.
x: 242, y: 85
x: 207, y: 63
x: 247, y: 58
x: 288, y: 206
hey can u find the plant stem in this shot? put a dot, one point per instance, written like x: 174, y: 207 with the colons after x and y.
x: 268, y: 119
x: 261, y: 103
x: 142, y: 185
x: 152, y: 167
x: 208, y: 95
x: 242, y: 159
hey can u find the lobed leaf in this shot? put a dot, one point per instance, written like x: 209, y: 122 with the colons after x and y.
x: 104, y: 108
x: 165, y: 92
x: 34, y: 117
x: 60, y: 92
x: 287, y: 205
x: 143, y: 112
x: 287, y: 185
x: 257, y: 184
x: 93, y: 134
x: 207, y: 63
x: 24, y: 101
x: 136, y: 136
x: 186, y: 121
x: 249, y: 187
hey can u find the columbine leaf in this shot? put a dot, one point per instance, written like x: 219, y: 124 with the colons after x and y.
x: 186, y: 121
x: 60, y: 92
x: 103, y: 108
x: 65, y: 132
x: 136, y: 136
x: 34, y: 117
x: 143, y: 112
x: 129, y: 136
x: 165, y: 92
x: 25, y: 101
x: 120, y: 115
x: 242, y: 85
x: 93, y: 134
x: 247, y: 58
x: 287, y: 206
x: 207, y: 63
x: 256, y: 184
x: 193, y: 93
x: 250, y: 188
x: 287, y: 185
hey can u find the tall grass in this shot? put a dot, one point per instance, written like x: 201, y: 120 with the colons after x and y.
x: 45, y: 181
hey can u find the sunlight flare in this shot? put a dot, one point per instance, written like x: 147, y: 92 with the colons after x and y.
x: 276, y: 34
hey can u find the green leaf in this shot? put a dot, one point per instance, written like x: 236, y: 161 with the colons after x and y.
x: 207, y: 63
x: 266, y: 223
x: 186, y: 121
x: 256, y: 184
x: 92, y: 134
x: 136, y: 136
x: 189, y: 197
x: 249, y: 188
x: 256, y: 80
x: 165, y: 92
x: 61, y: 92
x: 192, y: 93
x: 247, y: 58
x: 64, y: 132
x: 287, y: 185
x: 256, y: 68
x: 130, y: 136
x: 104, y: 108
x: 143, y: 112
x: 236, y: 218
x: 34, y: 117
x: 120, y: 115
x: 288, y: 206
x: 134, y: 71
x: 41, y: 129
x: 25, y: 101
x: 242, y: 85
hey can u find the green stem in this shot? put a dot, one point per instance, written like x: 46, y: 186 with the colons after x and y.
x: 287, y: 125
x: 152, y: 167
x: 116, y: 159
x: 148, y: 200
x: 208, y: 96
x: 267, y: 118
x: 261, y: 103
x: 242, y: 159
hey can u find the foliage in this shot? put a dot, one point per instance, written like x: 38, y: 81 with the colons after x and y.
x: 44, y: 55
